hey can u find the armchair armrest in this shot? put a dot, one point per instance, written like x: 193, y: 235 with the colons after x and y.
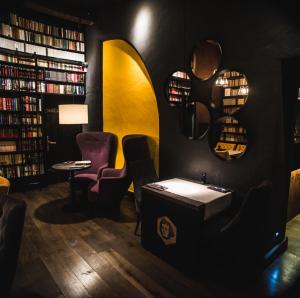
x: 113, y: 173
x: 100, y: 170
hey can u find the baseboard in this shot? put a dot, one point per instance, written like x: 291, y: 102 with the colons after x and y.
x: 275, y: 251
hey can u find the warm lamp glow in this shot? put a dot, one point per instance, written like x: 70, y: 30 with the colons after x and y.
x: 142, y: 27
x: 73, y: 114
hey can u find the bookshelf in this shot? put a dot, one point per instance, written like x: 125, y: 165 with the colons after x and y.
x: 21, y: 132
x: 178, y: 88
x: 41, y: 66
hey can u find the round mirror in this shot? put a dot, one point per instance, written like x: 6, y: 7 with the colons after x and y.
x: 206, y: 59
x: 195, y: 120
x: 228, y: 138
x: 230, y: 92
x: 178, y: 88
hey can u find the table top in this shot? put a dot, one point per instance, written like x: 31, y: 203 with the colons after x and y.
x: 69, y: 166
x: 197, y: 194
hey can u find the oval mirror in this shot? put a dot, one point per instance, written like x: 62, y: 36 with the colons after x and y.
x: 230, y: 92
x: 206, y: 59
x: 195, y: 120
x: 228, y: 138
x: 178, y: 88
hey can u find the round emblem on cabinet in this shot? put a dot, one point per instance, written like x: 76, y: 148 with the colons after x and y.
x: 166, y: 230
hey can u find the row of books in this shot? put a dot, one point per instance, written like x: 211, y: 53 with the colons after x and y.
x: 230, y: 120
x: 235, y: 92
x: 15, y: 59
x: 10, y: 159
x: 8, y: 133
x: 42, y: 63
x: 8, y: 146
x: 233, y: 129
x: 9, y: 104
x: 174, y: 98
x: 9, y: 119
x: 23, y: 170
x: 32, y: 120
x: 45, y: 28
x: 64, y: 76
x: 30, y: 86
x: 23, y: 73
x: 181, y: 75
x: 180, y: 84
x: 23, y: 145
x: 237, y: 82
x: 31, y: 104
x: 233, y: 138
x: 31, y: 132
x: 28, y: 104
x: 230, y: 74
x: 14, y: 71
x: 40, y: 50
x: 21, y: 159
x: 47, y: 40
x: 60, y: 65
x: 30, y: 145
x: 175, y: 91
x: 234, y: 101
x: 60, y: 89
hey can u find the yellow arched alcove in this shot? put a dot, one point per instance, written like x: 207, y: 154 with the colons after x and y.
x: 129, y: 102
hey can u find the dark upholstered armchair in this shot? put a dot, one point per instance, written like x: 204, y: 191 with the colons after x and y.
x: 96, y: 147
x: 241, y: 231
x: 12, y: 215
x: 142, y: 172
x: 113, y: 183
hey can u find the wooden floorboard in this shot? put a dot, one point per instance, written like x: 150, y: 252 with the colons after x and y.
x: 84, y: 255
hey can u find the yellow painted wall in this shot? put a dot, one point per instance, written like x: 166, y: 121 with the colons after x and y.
x: 129, y: 102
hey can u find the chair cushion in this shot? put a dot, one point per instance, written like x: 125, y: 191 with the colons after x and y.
x: 86, y: 177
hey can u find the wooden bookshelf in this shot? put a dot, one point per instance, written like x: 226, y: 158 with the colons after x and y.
x: 37, y: 61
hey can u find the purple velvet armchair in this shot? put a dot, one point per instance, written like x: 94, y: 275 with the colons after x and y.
x: 113, y: 183
x: 98, y: 147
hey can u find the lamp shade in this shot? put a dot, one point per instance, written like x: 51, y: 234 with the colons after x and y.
x: 73, y: 114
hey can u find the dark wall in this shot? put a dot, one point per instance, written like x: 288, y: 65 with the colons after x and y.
x: 254, y: 38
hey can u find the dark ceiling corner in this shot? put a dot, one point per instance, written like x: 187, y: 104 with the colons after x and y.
x: 67, y: 10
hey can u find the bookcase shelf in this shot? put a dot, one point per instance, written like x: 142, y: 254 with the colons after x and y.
x: 37, y: 63
x: 178, y: 88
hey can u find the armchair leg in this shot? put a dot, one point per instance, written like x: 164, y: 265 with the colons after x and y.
x: 138, y: 222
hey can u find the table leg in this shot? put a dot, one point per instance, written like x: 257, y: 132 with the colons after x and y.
x: 71, y: 206
x: 72, y: 191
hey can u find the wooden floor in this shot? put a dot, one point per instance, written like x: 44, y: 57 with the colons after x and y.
x: 80, y: 255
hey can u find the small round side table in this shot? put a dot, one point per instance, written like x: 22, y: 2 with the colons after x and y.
x: 69, y: 166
